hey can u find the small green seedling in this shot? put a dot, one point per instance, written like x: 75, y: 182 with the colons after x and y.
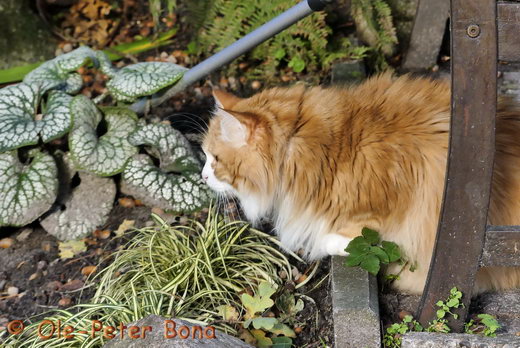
x: 368, y: 252
x: 452, y: 302
x: 392, y: 337
x: 485, y: 324
x: 445, y: 307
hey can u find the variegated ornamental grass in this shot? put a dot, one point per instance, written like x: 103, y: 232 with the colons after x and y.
x: 187, y: 272
x: 26, y: 190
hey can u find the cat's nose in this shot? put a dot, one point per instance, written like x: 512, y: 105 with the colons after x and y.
x: 205, y: 177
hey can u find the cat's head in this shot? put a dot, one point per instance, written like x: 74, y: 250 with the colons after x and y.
x: 239, y: 146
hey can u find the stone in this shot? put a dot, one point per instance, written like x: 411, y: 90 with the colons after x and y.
x: 504, y: 305
x: 155, y: 337
x: 509, y: 84
x: 86, y: 206
x: 355, y: 307
x: 24, y: 38
x: 439, y: 340
x: 348, y: 72
x: 403, y: 14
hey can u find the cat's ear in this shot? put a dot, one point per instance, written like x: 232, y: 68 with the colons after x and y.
x: 232, y: 130
x: 224, y: 99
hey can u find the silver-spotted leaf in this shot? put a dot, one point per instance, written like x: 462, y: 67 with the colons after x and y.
x: 21, y: 123
x: 168, y: 145
x: 26, y: 190
x: 105, y: 154
x: 73, y: 83
x: 55, y: 73
x: 156, y: 187
x: 105, y: 65
x: 143, y: 79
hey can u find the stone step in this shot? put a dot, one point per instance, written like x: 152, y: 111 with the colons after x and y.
x: 439, y: 340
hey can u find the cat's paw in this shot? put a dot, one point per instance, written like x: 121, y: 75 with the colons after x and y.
x: 335, y: 244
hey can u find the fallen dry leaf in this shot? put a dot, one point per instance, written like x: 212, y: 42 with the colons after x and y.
x: 6, y: 243
x: 125, y: 226
x: 33, y: 276
x: 256, y: 84
x: 71, y: 248
x: 126, y: 202
x: 247, y: 337
x: 21, y: 264
x: 46, y: 246
x: 157, y: 211
x: 53, y: 285
x: 72, y: 285
x: 228, y: 312
x: 90, y: 241
x: 12, y: 291
x: 64, y: 302
x: 24, y: 234
x: 88, y: 270
x: 89, y: 21
x: 301, y: 279
x: 102, y: 234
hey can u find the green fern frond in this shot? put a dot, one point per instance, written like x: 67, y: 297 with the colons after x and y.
x: 227, y: 21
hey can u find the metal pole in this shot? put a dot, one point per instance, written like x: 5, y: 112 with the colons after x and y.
x: 239, y: 47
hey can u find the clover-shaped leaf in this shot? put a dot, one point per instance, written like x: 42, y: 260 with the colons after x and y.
x: 255, y: 304
x: 282, y: 329
x: 168, y: 145
x: 55, y: 73
x: 266, y: 289
x: 260, y: 302
x: 154, y: 186
x: 26, y: 190
x: 101, y: 154
x: 264, y: 323
x: 228, y: 312
x: 21, y: 121
x: 143, y: 79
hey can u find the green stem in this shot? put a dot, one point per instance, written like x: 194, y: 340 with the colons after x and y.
x: 17, y: 73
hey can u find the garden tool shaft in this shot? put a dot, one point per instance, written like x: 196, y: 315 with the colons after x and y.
x: 236, y: 49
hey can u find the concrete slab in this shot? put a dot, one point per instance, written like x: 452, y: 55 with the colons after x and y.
x: 355, y: 306
x: 438, y: 340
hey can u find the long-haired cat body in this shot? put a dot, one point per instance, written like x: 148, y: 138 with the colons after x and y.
x: 322, y: 163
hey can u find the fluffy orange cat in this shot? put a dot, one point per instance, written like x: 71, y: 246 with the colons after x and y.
x: 322, y: 163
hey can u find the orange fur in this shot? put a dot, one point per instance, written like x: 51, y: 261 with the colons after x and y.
x: 372, y: 155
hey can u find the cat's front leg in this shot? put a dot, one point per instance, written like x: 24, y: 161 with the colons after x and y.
x: 335, y: 244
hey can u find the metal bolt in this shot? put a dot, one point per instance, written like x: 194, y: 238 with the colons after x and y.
x: 473, y: 30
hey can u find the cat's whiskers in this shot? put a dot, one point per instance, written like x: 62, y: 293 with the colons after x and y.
x: 192, y: 121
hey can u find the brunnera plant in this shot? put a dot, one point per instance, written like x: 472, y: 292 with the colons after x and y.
x: 49, y: 133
